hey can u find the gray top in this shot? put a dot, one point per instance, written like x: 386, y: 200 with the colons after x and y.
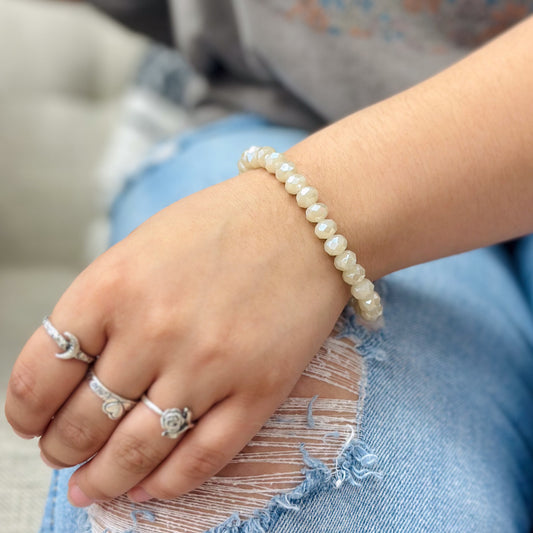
x: 308, y: 62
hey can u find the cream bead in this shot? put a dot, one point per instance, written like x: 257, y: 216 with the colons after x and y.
x: 285, y: 170
x: 373, y: 315
x: 363, y: 289
x: 250, y: 157
x: 354, y: 275
x: 336, y: 245
x: 295, y: 183
x: 325, y: 228
x: 273, y: 161
x: 373, y: 303
x: 345, y: 261
x: 262, y: 154
x: 307, y: 196
x: 316, y: 212
x: 241, y: 165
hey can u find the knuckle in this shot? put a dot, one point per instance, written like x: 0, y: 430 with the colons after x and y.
x: 202, y: 463
x: 162, y: 324
x: 113, y: 281
x: 19, y: 428
x: 159, y: 327
x: 213, y: 348
x: 22, y: 387
x: 102, y: 282
x: 135, y: 455
x: 53, y: 460
x: 78, y: 434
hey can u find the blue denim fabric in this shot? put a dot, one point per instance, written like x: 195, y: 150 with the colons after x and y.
x: 59, y: 515
x: 446, y: 435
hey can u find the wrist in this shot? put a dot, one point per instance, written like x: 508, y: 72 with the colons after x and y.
x: 366, y: 300
x: 281, y: 225
x: 347, y: 178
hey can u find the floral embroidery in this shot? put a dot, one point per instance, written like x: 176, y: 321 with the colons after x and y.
x: 432, y: 25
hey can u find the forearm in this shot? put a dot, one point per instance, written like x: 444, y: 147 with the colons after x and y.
x: 441, y: 168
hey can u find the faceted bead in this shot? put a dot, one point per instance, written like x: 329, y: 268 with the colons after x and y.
x: 363, y: 289
x: 250, y: 156
x: 373, y: 315
x: 273, y: 161
x: 346, y: 260
x: 307, y: 196
x: 241, y: 165
x: 374, y: 302
x: 295, y: 183
x: 285, y: 170
x: 262, y: 153
x: 245, y: 153
x: 354, y: 275
x: 316, y: 212
x: 326, y: 228
x: 335, y: 245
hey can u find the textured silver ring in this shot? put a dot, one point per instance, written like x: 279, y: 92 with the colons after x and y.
x: 173, y: 421
x: 114, y: 405
x: 68, y: 343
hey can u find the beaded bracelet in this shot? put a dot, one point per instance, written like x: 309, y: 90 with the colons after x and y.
x: 366, y: 300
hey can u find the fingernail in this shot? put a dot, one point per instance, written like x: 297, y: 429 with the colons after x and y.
x: 139, y: 495
x: 78, y: 498
x: 23, y: 435
x: 49, y: 463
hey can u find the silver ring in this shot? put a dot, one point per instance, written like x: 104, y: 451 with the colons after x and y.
x: 68, y: 343
x: 173, y: 421
x: 114, y: 405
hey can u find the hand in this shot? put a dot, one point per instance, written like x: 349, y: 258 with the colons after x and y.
x: 216, y: 303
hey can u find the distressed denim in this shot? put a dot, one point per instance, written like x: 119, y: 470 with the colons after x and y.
x: 444, y: 439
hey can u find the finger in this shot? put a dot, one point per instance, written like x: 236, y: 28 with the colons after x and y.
x: 204, y: 451
x: 137, y: 446
x: 86, y: 420
x: 40, y: 382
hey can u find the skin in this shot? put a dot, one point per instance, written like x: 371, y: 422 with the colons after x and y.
x: 220, y: 301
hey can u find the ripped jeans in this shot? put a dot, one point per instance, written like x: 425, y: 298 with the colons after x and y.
x: 425, y: 425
